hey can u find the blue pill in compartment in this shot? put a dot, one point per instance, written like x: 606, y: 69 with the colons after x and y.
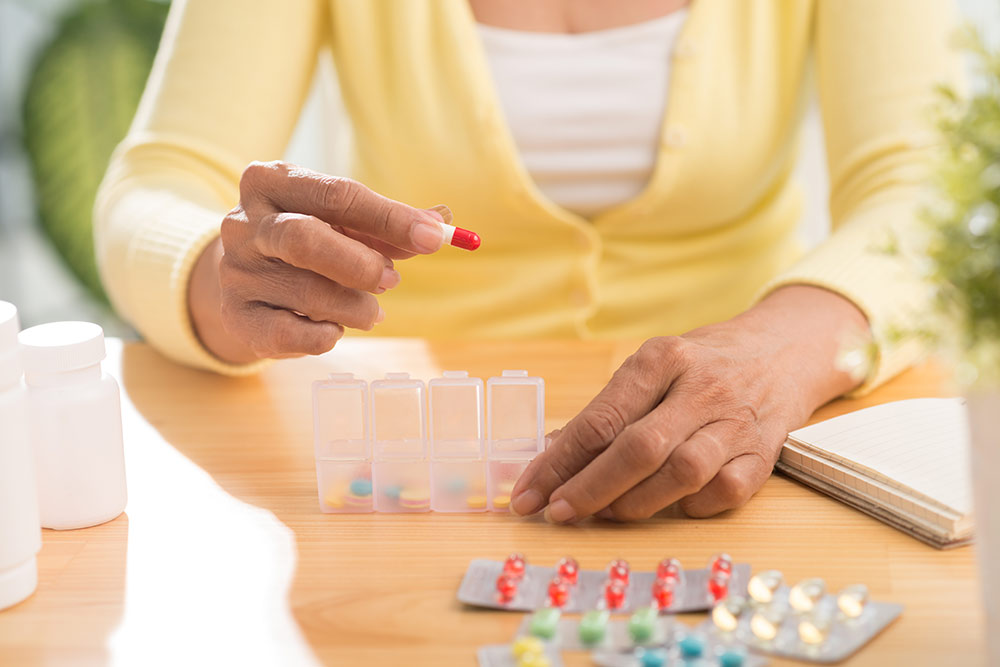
x: 392, y: 491
x: 456, y: 485
x: 361, y: 487
x: 691, y: 646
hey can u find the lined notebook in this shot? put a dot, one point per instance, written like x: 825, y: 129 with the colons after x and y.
x: 905, y: 463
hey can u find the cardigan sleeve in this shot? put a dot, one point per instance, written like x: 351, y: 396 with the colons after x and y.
x: 226, y: 88
x: 878, y: 65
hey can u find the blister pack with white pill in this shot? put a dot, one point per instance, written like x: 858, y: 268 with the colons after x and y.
x: 803, y: 621
x: 399, y: 445
x: 515, y: 585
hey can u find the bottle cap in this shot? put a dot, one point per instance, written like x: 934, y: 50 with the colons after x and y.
x: 10, y: 362
x: 59, y: 347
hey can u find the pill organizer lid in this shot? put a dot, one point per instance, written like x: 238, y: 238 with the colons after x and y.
x: 515, y: 414
x: 455, y: 415
x: 58, y: 347
x: 340, y: 417
x: 398, y: 416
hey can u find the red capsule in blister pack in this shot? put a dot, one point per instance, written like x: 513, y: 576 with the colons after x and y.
x: 618, y: 570
x: 506, y: 588
x: 718, y: 586
x: 669, y: 568
x: 614, y: 594
x: 568, y: 570
x: 721, y: 564
x: 514, y: 565
x: 558, y: 592
x: 663, y: 592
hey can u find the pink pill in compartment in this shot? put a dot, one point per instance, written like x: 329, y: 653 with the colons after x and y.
x: 663, y: 592
x: 618, y: 570
x: 514, y: 565
x: 669, y: 568
x: 718, y: 586
x: 506, y: 588
x: 721, y: 564
x: 558, y: 592
x: 614, y: 594
x: 568, y: 570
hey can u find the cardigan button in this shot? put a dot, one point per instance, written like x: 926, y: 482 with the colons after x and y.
x: 684, y: 50
x: 675, y: 137
x: 579, y: 297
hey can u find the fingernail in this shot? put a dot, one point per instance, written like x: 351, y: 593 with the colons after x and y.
x: 380, y: 316
x: 444, y: 212
x: 427, y: 236
x: 390, y: 278
x: 559, y: 512
x: 525, y: 503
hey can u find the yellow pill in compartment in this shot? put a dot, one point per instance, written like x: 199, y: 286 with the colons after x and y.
x: 501, y: 502
x: 414, y: 499
x: 476, y: 502
x: 334, y: 500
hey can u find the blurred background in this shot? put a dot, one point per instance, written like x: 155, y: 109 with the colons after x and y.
x: 71, y: 73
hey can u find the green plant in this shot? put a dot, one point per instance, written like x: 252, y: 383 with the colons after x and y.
x: 81, y: 96
x: 964, y: 251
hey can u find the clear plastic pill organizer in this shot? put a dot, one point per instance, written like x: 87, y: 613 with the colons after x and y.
x: 398, y: 445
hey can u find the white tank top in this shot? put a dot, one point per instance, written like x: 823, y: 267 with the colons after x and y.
x: 585, y: 109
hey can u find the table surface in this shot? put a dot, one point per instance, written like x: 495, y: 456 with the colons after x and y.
x: 222, y: 555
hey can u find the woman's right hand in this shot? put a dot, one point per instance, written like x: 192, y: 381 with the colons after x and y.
x: 300, y: 258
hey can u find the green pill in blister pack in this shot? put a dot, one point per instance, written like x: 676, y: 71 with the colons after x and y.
x: 593, y: 627
x: 642, y: 625
x: 545, y: 622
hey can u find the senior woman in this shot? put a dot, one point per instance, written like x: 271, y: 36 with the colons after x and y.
x: 628, y: 166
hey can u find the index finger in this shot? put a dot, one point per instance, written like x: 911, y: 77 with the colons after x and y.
x: 633, y: 391
x: 342, y: 201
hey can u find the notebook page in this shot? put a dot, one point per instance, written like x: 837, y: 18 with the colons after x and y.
x: 920, y: 443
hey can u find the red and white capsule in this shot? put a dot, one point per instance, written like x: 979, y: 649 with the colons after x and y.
x: 456, y: 236
x: 460, y: 238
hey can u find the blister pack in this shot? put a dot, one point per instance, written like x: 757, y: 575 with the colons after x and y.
x: 645, y: 639
x: 517, y: 586
x: 522, y: 652
x: 802, y: 621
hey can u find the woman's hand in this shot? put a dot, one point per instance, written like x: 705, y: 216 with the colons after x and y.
x: 698, y: 418
x: 300, y: 258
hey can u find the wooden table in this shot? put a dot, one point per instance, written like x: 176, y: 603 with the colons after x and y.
x: 202, y: 567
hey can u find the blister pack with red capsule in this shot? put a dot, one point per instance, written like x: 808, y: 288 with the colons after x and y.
x: 617, y: 588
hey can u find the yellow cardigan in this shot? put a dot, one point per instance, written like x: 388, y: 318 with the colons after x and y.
x: 714, y: 229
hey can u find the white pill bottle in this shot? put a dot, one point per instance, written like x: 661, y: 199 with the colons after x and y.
x: 76, y: 425
x: 20, y: 535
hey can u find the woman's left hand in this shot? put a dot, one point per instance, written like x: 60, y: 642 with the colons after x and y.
x: 698, y: 418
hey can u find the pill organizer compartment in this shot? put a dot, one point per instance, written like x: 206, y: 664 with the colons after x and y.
x: 458, y: 464
x: 343, y: 455
x: 515, y: 405
x: 401, y: 473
